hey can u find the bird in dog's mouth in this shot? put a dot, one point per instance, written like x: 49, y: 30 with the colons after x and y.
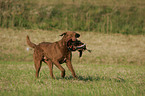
x: 77, y: 46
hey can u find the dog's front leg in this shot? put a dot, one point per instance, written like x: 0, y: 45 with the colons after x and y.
x: 59, y: 67
x: 70, y: 67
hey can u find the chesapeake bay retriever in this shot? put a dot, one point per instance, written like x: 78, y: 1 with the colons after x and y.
x: 56, y: 53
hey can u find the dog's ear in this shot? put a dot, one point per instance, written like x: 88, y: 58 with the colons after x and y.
x: 77, y: 35
x: 63, y: 34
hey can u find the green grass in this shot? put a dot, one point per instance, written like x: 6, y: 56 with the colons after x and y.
x: 116, y: 66
x: 101, y: 16
x: 17, y: 79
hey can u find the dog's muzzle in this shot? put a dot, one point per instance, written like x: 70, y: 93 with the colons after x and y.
x: 75, y: 45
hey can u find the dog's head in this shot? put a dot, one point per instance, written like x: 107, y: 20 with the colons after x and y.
x: 70, y: 35
x: 70, y: 39
x: 72, y: 42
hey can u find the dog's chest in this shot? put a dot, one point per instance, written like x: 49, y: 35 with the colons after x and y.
x: 63, y: 60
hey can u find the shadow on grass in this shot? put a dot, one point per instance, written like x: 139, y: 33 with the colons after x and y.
x: 83, y: 78
x: 96, y: 78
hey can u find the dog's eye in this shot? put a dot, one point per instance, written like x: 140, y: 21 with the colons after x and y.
x: 77, y: 35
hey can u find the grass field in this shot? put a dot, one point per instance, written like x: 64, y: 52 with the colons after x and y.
x: 111, y: 16
x: 116, y: 66
x: 17, y: 79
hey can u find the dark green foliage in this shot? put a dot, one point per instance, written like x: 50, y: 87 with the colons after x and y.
x: 78, y: 17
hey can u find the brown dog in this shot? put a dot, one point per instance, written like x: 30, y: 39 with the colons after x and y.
x: 54, y: 53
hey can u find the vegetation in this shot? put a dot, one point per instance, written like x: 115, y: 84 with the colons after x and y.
x: 107, y: 49
x: 125, y: 16
x: 17, y: 79
x: 116, y: 66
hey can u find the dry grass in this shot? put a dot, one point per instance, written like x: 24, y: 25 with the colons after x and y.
x: 116, y: 48
x: 106, y: 48
x: 96, y: 2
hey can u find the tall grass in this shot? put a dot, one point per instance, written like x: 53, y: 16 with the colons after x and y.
x: 125, y: 16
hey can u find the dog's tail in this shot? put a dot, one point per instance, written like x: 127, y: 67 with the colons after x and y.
x: 30, y: 43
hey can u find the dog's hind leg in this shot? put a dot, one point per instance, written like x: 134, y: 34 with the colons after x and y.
x: 38, y: 57
x: 37, y: 67
x: 50, y: 65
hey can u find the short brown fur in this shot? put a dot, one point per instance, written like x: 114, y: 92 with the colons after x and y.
x: 54, y: 53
